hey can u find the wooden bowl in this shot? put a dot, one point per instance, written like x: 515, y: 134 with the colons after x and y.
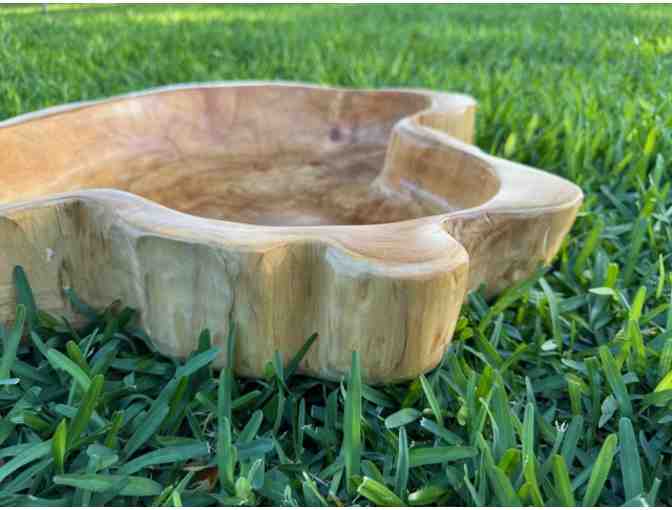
x: 362, y: 215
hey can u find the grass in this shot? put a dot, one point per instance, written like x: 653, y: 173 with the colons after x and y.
x: 559, y: 392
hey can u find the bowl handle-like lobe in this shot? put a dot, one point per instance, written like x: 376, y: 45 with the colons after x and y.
x: 522, y: 227
x: 510, y: 217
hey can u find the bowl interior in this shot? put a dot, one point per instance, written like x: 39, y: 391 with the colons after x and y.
x: 267, y: 154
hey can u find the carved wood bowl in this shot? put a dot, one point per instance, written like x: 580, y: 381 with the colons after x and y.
x: 290, y: 209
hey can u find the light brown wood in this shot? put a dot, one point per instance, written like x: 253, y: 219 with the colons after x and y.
x: 364, y: 216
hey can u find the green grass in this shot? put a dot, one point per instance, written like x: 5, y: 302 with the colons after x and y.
x: 558, y: 393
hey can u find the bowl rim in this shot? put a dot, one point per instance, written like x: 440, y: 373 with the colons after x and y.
x: 438, y: 102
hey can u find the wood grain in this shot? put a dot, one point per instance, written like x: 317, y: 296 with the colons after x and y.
x: 292, y: 209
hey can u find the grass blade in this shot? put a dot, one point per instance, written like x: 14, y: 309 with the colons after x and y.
x: 61, y: 362
x: 439, y: 455
x: 225, y: 452
x: 502, y: 488
x: 615, y: 380
x: 352, y: 439
x: 75, y: 354
x: 563, y: 486
x: 59, y: 445
x: 378, y: 494
x: 589, y: 246
x: 571, y: 439
x: 427, y: 496
x: 431, y: 399
x: 600, y: 471
x: 147, y: 429
x: 135, y: 486
x: 633, y: 484
x: 293, y: 365
x: 553, y: 312
x: 529, y: 458
x: 509, y: 297
x: 403, y: 465
x: 35, y: 452
x: 168, y: 455
x: 25, y: 297
x: 88, y: 405
x: 11, y: 344
x: 402, y: 417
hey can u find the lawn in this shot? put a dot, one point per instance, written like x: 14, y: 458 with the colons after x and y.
x: 559, y: 392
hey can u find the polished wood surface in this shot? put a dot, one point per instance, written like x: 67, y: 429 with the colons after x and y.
x: 364, y: 216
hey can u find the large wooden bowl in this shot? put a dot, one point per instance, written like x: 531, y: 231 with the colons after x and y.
x: 362, y: 215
